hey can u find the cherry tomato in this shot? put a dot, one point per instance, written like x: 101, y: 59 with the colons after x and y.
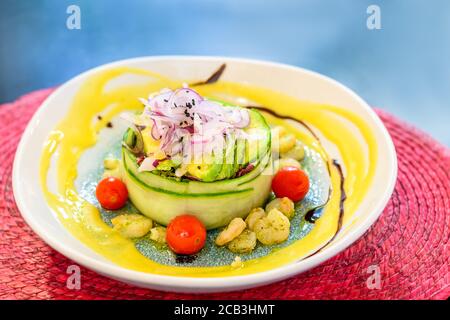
x: 186, y: 234
x: 290, y: 182
x: 112, y: 193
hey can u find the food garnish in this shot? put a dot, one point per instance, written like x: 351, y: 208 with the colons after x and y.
x: 286, y: 162
x: 291, y: 182
x: 112, y: 193
x: 243, y: 243
x: 297, y: 152
x: 182, y: 132
x: 253, y: 216
x: 158, y: 234
x: 132, y: 225
x: 232, y: 231
x: 273, y: 228
x: 186, y: 234
x: 284, y: 205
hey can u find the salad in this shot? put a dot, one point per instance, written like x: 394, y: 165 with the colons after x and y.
x: 211, y: 178
x: 190, y: 164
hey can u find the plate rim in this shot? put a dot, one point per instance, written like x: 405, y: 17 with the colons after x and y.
x: 198, y: 284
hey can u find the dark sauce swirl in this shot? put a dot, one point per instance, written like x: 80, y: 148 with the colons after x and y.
x: 212, y: 78
x: 285, y: 117
x: 181, y: 258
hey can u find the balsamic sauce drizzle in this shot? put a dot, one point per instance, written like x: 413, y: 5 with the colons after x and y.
x: 342, y: 200
x: 341, y: 211
x: 213, y: 78
x: 309, y: 216
x: 181, y: 258
x: 285, y: 117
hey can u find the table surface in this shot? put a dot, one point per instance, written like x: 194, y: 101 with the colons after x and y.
x: 403, y: 67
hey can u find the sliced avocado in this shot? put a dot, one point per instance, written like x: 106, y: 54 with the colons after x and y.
x: 166, y: 165
x: 133, y: 142
x: 260, y: 143
x: 150, y: 144
x: 206, y: 171
x: 254, y: 150
x: 239, y: 159
x: 228, y: 166
x: 221, y: 167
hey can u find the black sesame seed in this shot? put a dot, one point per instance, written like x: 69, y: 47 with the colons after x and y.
x: 109, y: 125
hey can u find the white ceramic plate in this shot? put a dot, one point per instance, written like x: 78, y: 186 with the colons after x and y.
x: 305, y: 85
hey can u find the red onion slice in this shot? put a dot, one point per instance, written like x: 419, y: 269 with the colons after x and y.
x: 147, y: 165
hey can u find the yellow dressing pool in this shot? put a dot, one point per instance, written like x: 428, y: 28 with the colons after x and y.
x: 79, y: 129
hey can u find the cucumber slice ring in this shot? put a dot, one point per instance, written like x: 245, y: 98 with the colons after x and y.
x: 215, y: 209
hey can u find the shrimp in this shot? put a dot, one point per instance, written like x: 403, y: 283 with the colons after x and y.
x: 110, y: 163
x: 287, y: 142
x: 284, y: 205
x: 297, y: 152
x: 244, y: 243
x: 272, y: 229
x: 112, y: 168
x: 286, y: 162
x: 283, y: 141
x: 234, y: 229
x: 254, y: 215
x: 158, y: 234
x: 132, y: 225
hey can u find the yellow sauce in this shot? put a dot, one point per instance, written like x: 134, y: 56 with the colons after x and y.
x: 78, y: 131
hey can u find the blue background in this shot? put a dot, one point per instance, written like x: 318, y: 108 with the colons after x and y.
x: 403, y: 68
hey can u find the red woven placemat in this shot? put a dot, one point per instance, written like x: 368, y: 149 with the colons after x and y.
x: 409, y: 243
